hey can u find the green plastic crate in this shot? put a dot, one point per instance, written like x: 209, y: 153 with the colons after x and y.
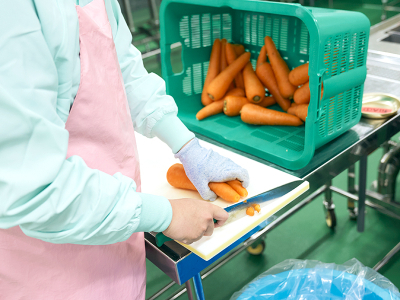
x: 334, y: 42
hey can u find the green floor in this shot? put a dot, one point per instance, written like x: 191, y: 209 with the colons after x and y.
x: 304, y: 235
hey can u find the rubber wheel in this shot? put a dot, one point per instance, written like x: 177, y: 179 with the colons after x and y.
x: 330, y: 218
x: 256, y: 250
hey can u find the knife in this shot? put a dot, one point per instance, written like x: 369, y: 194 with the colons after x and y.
x: 238, y: 210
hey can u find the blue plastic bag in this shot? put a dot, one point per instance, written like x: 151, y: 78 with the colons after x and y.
x: 299, y: 279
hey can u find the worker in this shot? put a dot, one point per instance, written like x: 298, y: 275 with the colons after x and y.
x: 72, y: 217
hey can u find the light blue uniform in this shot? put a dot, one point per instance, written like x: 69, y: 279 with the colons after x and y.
x: 52, y: 198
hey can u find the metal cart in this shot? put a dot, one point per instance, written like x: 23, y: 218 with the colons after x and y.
x: 329, y: 161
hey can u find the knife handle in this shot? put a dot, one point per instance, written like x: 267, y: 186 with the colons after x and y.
x: 161, y: 238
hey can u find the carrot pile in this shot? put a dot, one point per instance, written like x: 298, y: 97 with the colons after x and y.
x: 230, y: 191
x: 234, y: 88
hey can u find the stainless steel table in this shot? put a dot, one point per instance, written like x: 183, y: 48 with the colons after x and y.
x: 329, y: 161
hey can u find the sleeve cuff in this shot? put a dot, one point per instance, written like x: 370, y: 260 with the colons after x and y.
x: 173, y: 132
x: 156, y: 213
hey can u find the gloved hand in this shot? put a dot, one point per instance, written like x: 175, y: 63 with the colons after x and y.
x: 204, y: 165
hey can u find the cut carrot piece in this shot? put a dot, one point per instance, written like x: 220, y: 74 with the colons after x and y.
x: 237, y: 186
x: 253, y: 87
x: 219, y: 86
x: 231, y: 57
x: 303, y: 95
x: 213, y: 71
x: 281, y: 69
x: 267, y: 77
x: 257, y: 207
x: 212, y: 109
x: 250, y: 211
x: 257, y: 115
x: 233, y: 105
x: 299, y: 76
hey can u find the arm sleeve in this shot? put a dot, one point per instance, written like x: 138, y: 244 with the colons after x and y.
x: 154, y: 113
x: 51, y: 198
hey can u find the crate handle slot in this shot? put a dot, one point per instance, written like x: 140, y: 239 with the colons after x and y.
x: 167, y: 56
x: 343, y: 82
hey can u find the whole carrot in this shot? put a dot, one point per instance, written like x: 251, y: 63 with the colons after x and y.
x: 303, y: 95
x: 267, y: 77
x: 299, y: 76
x: 212, y: 109
x: 236, y: 92
x: 231, y: 57
x: 237, y: 186
x: 213, y: 71
x: 268, y: 101
x: 254, y: 89
x: 262, y: 57
x: 300, y: 110
x: 257, y: 115
x: 224, y: 191
x: 176, y: 176
x: 281, y: 69
x: 218, y: 87
x: 233, y: 105
x: 239, y: 49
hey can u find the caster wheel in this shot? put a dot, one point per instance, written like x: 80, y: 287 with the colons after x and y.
x: 256, y: 250
x: 353, y: 213
x: 330, y: 218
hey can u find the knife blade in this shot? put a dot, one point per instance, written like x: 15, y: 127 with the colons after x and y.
x: 238, y: 210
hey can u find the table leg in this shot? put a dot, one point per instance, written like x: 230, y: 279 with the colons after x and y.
x: 198, y: 286
x: 351, y: 176
x: 189, y: 290
x: 362, y: 187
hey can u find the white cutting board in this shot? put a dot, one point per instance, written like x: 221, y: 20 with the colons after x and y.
x: 155, y: 159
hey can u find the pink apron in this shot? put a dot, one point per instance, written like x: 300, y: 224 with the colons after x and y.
x: 101, y: 132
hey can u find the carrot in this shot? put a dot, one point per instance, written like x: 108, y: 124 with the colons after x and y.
x: 257, y: 207
x: 224, y: 61
x: 237, y: 186
x: 254, y: 89
x: 176, y: 176
x: 267, y: 77
x: 281, y: 69
x: 293, y: 104
x: 262, y: 57
x: 224, y: 191
x: 218, y: 87
x: 268, y: 101
x: 212, y: 109
x: 257, y: 115
x: 250, y: 211
x: 233, y: 105
x: 213, y: 71
x: 239, y: 49
x: 303, y: 95
x: 230, y: 57
x: 299, y: 76
x: 299, y: 110
x: 236, y: 92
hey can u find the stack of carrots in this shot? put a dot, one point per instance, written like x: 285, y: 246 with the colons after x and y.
x: 234, y: 88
